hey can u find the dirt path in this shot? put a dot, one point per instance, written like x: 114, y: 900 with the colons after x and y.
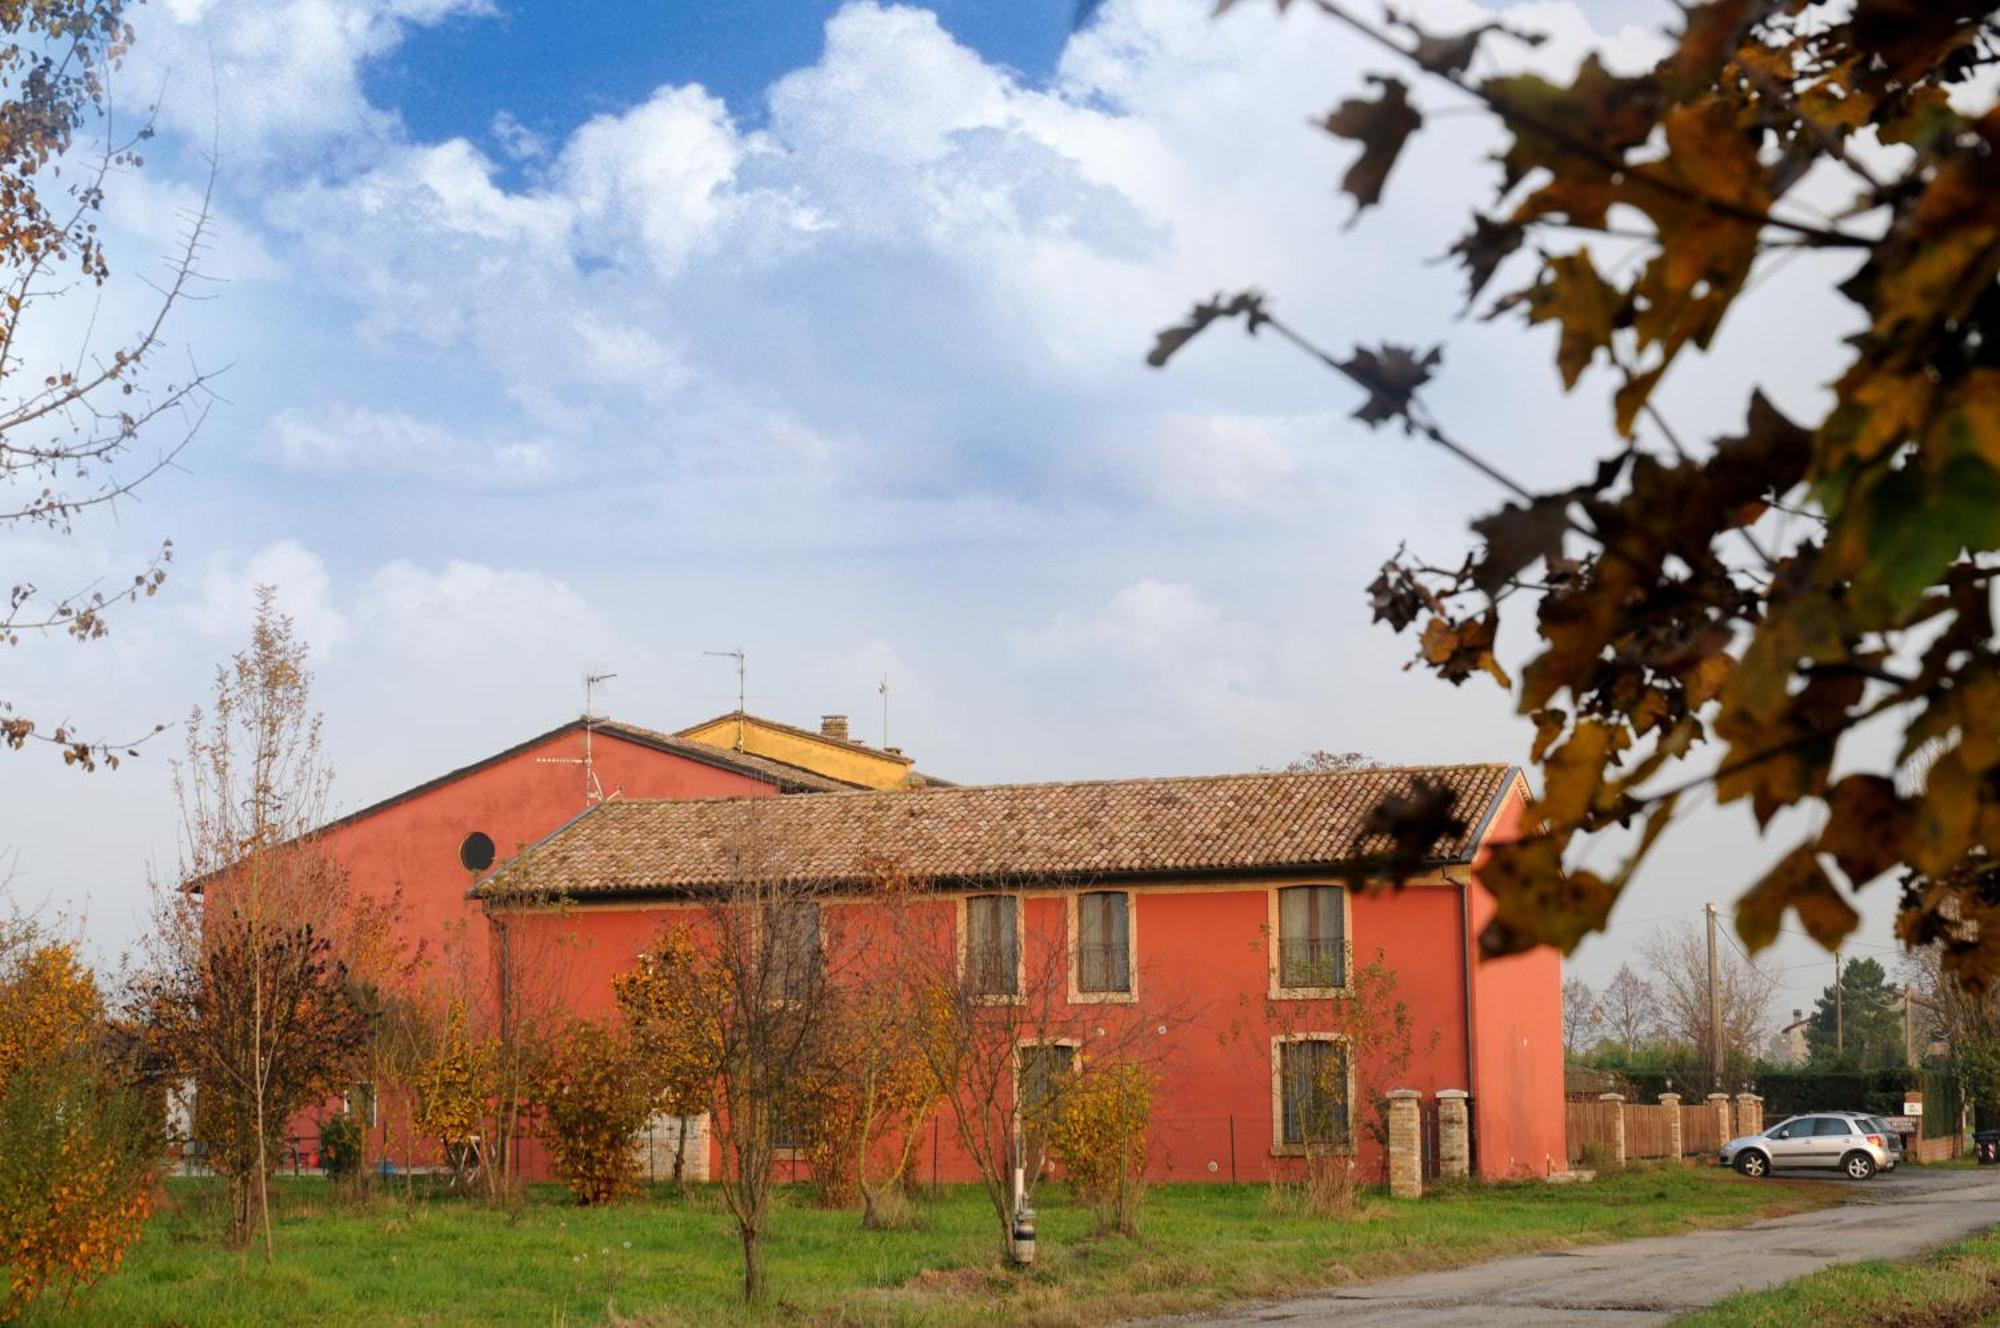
x: 1652, y: 1281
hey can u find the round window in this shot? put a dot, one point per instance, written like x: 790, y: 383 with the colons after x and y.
x: 476, y: 853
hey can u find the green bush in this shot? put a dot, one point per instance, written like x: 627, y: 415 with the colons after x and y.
x: 340, y: 1147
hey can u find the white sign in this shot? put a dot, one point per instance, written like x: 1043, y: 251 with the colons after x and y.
x: 1904, y: 1124
x: 1913, y: 1108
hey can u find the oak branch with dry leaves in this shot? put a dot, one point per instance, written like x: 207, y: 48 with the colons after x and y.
x: 1727, y: 616
x: 72, y: 418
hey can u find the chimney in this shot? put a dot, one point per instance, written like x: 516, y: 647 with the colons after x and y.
x: 1798, y: 1015
x: 833, y: 726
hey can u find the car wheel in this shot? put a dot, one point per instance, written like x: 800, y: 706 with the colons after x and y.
x: 1858, y: 1166
x: 1752, y: 1163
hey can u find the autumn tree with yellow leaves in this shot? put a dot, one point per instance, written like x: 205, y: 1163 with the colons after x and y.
x: 80, y: 1135
x: 670, y: 1001
x: 1743, y: 615
x: 1100, y: 1131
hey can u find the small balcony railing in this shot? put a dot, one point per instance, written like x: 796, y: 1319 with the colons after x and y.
x: 1312, y: 963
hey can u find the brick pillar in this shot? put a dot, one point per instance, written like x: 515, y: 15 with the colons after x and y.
x: 1672, y: 1102
x: 1454, y: 1134
x: 1406, y: 1144
x: 1719, y: 1102
x: 1749, y: 1114
x: 1618, y: 1127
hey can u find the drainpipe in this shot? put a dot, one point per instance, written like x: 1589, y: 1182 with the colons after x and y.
x: 1463, y: 879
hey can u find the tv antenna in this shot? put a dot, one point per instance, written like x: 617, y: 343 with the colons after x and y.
x: 737, y: 655
x: 593, y: 791
x: 882, y: 688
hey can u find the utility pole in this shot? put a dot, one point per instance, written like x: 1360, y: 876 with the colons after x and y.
x: 1839, y: 1010
x: 1909, y: 1042
x: 1714, y: 1005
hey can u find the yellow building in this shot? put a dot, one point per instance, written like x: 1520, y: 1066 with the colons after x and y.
x: 830, y: 752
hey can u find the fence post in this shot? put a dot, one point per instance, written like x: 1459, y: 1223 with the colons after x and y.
x: 1454, y: 1136
x: 1406, y: 1144
x: 1672, y: 1102
x: 1720, y: 1103
x: 1617, y: 1128
x: 1749, y: 1114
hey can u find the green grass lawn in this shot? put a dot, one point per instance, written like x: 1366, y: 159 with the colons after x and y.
x: 664, y: 1260
x: 1955, y: 1287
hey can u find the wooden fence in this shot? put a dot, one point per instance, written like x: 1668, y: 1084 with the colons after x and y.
x: 1592, y: 1123
x: 1649, y: 1132
x: 1700, y: 1133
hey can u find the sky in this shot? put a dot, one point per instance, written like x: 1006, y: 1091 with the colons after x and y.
x: 592, y: 336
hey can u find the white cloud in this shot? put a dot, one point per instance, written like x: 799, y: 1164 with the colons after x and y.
x: 519, y: 632
x: 228, y: 594
x: 369, y: 445
x: 275, y: 77
x: 1186, y: 656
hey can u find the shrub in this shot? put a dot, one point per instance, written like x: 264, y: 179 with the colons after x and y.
x: 78, y: 1138
x: 452, y: 1085
x: 1099, y: 1131
x: 595, y: 1100
x: 340, y: 1147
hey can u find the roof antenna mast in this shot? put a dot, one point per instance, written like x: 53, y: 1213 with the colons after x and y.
x: 737, y: 655
x: 593, y: 791
x: 882, y: 687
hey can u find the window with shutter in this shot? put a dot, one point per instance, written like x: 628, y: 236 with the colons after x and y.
x: 795, y: 957
x: 992, y: 946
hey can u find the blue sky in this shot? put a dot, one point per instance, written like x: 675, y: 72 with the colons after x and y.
x: 550, y: 65
x: 588, y: 335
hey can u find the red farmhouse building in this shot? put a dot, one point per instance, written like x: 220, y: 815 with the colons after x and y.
x: 1214, y: 904
x: 432, y: 841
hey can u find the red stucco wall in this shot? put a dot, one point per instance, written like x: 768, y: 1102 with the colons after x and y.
x: 1517, y: 1013
x: 1203, y: 975
x: 414, y: 845
x: 515, y: 801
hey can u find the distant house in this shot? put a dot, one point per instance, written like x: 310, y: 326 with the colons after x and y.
x: 1219, y: 894
x: 830, y: 751
x: 1788, y: 1044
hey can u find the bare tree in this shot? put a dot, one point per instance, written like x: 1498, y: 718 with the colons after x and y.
x: 1629, y: 1009
x: 1678, y: 960
x: 248, y: 988
x: 1002, y: 1028
x: 69, y: 421
x: 1319, y: 761
x: 1581, y: 1017
x: 777, y: 954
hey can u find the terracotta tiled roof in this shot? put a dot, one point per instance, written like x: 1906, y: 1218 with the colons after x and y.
x: 1076, y: 831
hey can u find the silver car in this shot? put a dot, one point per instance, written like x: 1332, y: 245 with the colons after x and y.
x: 1842, y: 1141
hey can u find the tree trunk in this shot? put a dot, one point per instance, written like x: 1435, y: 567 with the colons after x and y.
x: 260, y: 1079
x: 753, y: 1263
x: 680, y: 1154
